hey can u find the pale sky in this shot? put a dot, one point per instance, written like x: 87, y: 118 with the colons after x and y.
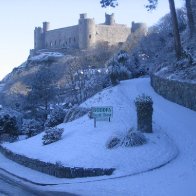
x: 18, y: 19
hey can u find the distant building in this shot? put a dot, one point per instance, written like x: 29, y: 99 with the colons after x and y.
x: 84, y: 35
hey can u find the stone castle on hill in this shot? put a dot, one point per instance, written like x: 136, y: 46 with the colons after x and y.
x: 84, y: 35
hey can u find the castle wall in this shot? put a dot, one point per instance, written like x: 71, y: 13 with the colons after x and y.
x: 62, y: 38
x: 84, y: 35
x: 112, y: 33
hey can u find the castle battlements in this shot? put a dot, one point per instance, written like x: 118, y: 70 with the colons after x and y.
x: 84, y: 35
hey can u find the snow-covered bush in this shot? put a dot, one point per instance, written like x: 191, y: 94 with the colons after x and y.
x: 31, y: 127
x: 129, y: 139
x: 118, y: 72
x: 113, y: 142
x: 144, y: 107
x: 56, y: 117
x: 133, y: 138
x: 52, y: 135
x: 5, y: 111
x: 8, y: 125
x: 122, y: 57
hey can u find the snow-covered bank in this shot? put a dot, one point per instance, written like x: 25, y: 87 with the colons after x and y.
x: 176, y: 178
x: 83, y: 145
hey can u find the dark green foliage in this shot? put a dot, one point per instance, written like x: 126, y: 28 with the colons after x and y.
x: 52, y: 135
x: 106, y: 3
x: 8, y: 125
x: 144, y: 107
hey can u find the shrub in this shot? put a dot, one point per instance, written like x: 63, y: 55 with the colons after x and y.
x: 133, y: 138
x: 31, y: 127
x: 52, y: 135
x: 144, y: 107
x: 8, y: 124
x: 56, y: 117
x: 130, y: 139
x: 113, y: 142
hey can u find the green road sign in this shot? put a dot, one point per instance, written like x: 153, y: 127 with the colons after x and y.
x: 103, y: 112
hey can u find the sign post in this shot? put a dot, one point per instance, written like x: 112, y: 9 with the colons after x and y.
x: 102, y: 113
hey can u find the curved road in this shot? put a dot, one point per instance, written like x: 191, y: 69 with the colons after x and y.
x: 11, y: 187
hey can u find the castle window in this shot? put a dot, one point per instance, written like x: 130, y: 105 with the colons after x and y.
x: 59, y: 42
x: 66, y: 42
x: 74, y: 39
x: 89, y: 36
x: 55, y: 43
x: 50, y: 44
x: 70, y: 40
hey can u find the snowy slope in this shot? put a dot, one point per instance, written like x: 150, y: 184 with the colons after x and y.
x: 83, y: 145
x: 176, y: 178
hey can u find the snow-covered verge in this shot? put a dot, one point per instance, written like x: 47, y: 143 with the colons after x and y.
x: 183, y: 74
x: 82, y: 145
x: 45, y: 56
x: 176, y: 178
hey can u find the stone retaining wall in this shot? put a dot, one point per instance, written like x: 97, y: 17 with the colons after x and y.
x: 180, y: 92
x: 57, y: 169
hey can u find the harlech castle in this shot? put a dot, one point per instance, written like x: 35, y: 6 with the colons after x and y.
x: 84, y: 35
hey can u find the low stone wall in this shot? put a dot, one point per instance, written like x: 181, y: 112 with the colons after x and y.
x: 57, y: 169
x: 182, y: 93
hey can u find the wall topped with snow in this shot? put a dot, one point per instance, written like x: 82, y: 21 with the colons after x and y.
x: 57, y: 169
x: 180, y: 92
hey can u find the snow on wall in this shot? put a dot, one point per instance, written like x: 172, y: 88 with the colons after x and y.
x: 180, y: 92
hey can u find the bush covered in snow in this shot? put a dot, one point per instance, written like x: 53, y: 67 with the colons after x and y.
x: 118, y: 72
x: 5, y: 111
x: 31, y: 127
x: 113, y: 142
x: 8, y: 125
x: 52, y: 135
x: 144, y: 107
x: 118, y: 68
x: 131, y: 138
x: 56, y: 117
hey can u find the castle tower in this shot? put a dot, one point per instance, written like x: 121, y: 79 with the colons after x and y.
x: 86, y: 32
x: 38, y: 42
x: 46, y: 26
x: 109, y: 19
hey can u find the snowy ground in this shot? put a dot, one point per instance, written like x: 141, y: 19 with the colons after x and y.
x: 175, y: 178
